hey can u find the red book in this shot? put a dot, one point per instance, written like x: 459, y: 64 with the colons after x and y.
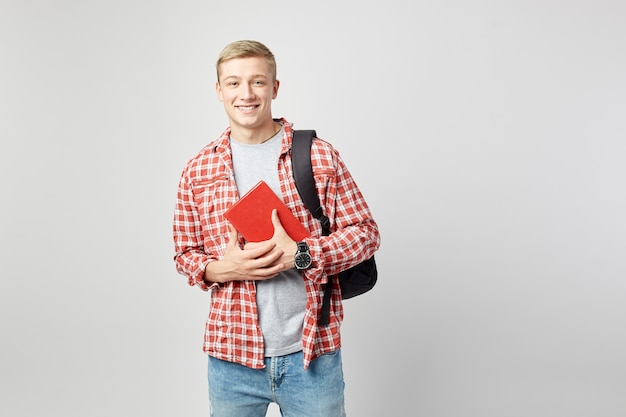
x: 252, y: 215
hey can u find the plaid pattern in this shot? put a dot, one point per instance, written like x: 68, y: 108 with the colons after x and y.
x: 207, y: 188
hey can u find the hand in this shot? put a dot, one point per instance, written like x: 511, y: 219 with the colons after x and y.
x: 281, y: 241
x: 259, y: 262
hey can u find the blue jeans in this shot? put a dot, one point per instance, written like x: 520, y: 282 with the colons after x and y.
x: 238, y: 391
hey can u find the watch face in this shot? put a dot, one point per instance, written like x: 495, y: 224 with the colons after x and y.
x: 303, y: 261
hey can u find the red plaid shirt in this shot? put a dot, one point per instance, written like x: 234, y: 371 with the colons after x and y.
x: 207, y: 188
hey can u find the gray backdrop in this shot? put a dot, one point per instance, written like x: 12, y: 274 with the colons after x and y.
x: 488, y: 137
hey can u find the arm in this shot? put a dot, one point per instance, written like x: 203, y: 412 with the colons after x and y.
x: 355, y: 235
x: 190, y: 258
x: 257, y: 261
x: 205, y: 266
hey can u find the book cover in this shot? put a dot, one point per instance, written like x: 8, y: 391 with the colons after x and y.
x: 252, y: 215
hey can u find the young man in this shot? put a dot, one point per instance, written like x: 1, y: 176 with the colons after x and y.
x: 262, y: 334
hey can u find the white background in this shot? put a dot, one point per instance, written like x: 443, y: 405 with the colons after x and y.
x: 489, y: 138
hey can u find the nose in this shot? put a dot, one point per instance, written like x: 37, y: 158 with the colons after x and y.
x: 246, y: 92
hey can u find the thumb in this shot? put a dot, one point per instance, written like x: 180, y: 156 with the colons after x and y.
x: 232, y: 235
x: 278, y: 227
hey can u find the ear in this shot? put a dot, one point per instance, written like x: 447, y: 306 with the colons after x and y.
x: 275, y: 89
x: 218, y: 91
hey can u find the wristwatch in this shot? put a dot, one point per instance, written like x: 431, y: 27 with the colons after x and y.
x: 303, y: 256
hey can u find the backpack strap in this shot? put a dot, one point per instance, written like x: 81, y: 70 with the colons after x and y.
x: 305, y: 183
x: 303, y: 174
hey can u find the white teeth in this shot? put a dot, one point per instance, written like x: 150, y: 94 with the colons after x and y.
x: 246, y: 108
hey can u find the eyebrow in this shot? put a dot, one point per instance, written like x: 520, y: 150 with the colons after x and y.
x: 238, y: 77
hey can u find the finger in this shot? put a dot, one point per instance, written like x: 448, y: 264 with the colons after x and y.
x: 233, y: 236
x: 260, y: 250
x: 278, y: 227
x: 269, y: 272
x: 256, y: 245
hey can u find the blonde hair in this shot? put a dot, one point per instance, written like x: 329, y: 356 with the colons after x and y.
x: 246, y: 49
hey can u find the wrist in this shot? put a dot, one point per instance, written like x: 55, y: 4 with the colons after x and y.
x: 302, y: 258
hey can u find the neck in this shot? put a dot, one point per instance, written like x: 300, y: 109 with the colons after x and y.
x: 256, y: 137
x: 277, y: 127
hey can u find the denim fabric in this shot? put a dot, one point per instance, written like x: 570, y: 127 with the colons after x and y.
x: 239, y: 391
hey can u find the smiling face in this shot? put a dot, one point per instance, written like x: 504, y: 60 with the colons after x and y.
x: 247, y: 87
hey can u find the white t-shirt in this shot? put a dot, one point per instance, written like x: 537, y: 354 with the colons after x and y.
x: 281, y: 301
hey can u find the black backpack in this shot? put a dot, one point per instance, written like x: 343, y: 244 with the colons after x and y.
x: 353, y: 281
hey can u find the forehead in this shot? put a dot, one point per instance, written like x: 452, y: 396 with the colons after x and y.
x: 247, y: 67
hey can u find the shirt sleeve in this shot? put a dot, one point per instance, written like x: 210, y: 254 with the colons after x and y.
x: 190, y: 258
x: 355, y: 235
